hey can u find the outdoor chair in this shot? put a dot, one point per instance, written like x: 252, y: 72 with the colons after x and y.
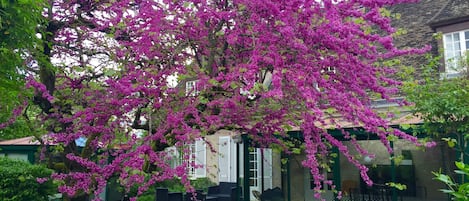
x: 274, y: 194
x: 175, y: 196
x: 162, y: 194
x: 200, y: 196
x: 225, y: 191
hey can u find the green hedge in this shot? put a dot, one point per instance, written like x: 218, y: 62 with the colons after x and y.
x: 18, y: 181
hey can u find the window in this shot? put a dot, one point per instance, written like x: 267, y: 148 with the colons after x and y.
x: 328, y: 175
x: 191, y: 88
x: 17, y: 156
x: 455, y: 46
x: 197, y: 153
x: 253, y: 168
x: 190, y: 165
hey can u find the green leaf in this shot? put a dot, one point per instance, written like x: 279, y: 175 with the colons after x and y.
x: 460, y: 165
x: 451, y: 144
x: 21, y: 178
x: 203, y: 99
x: 233, y: 85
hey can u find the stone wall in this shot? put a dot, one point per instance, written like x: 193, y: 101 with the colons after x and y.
x: 415, y: 19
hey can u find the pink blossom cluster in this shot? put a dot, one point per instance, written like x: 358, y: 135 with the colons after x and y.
x: 16, y: 113
x: 261, y: 67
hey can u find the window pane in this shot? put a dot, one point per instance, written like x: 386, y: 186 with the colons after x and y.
x: 449, y: 54
x: 456, y: 37
x: 449, y: 46
x: 23, y: 157
x: 466, y: 35
x: 448, y: 38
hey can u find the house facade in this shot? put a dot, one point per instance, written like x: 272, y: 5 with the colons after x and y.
x: 220, y: 158
x: 223, y: 160
x: 442, y: 24
x: 24, y: 149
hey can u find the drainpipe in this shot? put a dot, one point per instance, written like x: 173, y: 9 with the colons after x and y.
x: 393, y: 173
x: 238, y: 189
x: 288, y: 178
x: 246, y: 154
x: 262, y: 170
x: 336, y: 172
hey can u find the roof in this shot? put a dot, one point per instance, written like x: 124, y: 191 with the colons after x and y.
x: 401, y: 119
x: 31, y: 140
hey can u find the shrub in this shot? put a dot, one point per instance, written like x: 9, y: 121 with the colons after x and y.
x: 18, y: 181
x: 458, y: 192
x: 174, y: 185
x: 202, y: 183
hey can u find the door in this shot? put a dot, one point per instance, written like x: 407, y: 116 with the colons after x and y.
x: 260, y: 171
x: 227, y: 165
x: 309, y: 186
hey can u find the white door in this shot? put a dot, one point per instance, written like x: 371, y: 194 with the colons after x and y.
x: 255, y: 170
x: 227, y: 165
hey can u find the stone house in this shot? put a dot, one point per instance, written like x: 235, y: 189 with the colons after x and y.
x: 421, y: 22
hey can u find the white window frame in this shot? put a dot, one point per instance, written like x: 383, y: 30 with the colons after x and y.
x: 197, y: 156
x: 254, y: 169
x: 452, y: 55
x: 192, y: 154
x: 191, y: 88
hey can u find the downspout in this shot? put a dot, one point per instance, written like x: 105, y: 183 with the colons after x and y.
x: 393, y: 173
x: 238, y: 187
x: 336, y: 172
x: 262, y: 170
x: 246, y: 154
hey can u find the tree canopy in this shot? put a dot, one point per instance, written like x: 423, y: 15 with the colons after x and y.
x: 18, y: 42
x: 262, y: 68
x: 441, y: 103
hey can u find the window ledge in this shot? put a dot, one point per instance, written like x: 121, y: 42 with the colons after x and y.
x: 450, y: 75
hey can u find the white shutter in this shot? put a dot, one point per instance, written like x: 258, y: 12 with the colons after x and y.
x: 224, y: 159
x: 241, y: 160
x: 267, y: 168
x: 232, y: 160
x: 200, y: 159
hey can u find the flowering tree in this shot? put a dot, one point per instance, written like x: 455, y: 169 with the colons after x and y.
x: 261, y: 67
